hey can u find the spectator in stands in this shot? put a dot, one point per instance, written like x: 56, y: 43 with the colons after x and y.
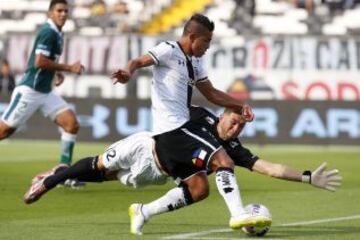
x: 120, y: 15
x: 99, y: 15
x: 338, y: 6
x: 242, y: 15
x: 246, y: 87
x: 334, y: 6
x: 7, y: 79
x: 98, y: 8
x: 238, y: 90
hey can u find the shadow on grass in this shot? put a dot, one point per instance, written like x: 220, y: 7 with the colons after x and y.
x: 120, y: 230
x: 313, y: 231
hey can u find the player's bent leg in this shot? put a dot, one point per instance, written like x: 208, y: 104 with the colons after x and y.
x: 67, y: 121
x: 85, y: 169
x: 191, y: 190
x: 52, y: 171
x: 221, y: 159
x: 228, y: 188
x: 197, y: 186
x: 5, y: 130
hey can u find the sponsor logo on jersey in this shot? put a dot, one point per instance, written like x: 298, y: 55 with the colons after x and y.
x: 181, y: 62
x: 199, y: 157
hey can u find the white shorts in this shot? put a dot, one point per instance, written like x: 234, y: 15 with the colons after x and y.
x: 25, y: 101
x: 134, y: 160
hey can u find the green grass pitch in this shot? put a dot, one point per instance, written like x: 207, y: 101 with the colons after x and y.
x: 100, y: 210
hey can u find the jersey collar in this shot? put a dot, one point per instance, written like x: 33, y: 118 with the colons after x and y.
x: 182, y: 50
x: 54, y: 27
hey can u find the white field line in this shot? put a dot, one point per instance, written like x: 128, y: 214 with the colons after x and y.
x: 192, y: 235
x: 339, y: 219
x: 199, y: 235
x: 221, y: 238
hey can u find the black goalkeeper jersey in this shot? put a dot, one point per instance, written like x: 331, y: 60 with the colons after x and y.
x: 240, y: 155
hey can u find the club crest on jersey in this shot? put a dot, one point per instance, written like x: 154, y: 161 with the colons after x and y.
x: 233, y: 144
x: 191, y: 82
x: 210, y: 120
x: 198, y: 157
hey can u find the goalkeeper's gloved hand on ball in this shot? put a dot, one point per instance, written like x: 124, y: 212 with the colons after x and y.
x: 320, y: 178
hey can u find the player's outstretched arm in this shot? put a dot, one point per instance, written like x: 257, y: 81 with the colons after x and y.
x: 124, y: 75
x: 43, y: 62
x: 320, y: 178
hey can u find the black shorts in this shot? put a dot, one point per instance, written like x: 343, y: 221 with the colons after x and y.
x: 186, y: 150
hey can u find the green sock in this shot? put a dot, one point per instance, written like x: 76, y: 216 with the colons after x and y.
x: 67, y: 147
x: 66, y: 152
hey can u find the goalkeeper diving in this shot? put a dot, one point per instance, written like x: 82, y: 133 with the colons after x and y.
x: 134, y: 162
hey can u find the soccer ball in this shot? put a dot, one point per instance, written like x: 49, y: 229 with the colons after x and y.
x: 257, y: 209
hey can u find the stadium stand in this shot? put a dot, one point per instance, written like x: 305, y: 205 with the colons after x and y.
x: 232, y: 17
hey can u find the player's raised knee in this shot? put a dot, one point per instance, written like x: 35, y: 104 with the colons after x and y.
x: 221, y: 160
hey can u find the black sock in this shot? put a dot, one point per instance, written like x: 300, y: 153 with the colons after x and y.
x: 84, y: 170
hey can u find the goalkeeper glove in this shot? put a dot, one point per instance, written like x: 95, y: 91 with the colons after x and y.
x: 320, y: 178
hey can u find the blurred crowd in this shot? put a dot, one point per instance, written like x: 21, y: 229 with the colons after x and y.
x: 107, y: 13
x: 7, y: 79
x: 319, y: 12
x: 100, y: 17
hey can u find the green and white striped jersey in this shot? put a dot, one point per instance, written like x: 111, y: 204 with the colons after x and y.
x: 48, y: 42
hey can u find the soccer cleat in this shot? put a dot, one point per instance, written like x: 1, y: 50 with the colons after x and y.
x: 137, y: 218
x: 247, y: 219
x: 72, y: 183
x: 42, y: 175
x: 35, y: 192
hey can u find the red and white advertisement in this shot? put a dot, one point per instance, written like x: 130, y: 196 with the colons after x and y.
x: 281, y: 68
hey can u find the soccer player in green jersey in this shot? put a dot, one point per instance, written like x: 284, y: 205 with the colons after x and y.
x: 34, y: 91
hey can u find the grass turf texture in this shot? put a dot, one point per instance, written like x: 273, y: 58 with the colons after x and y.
x: 100, y: 210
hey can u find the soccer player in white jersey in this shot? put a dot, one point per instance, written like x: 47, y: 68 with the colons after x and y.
x: 133, y: 161
x: 34, y: 92
x: 188, y: 150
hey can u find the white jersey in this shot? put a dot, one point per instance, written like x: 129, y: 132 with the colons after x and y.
x: 170, y: 85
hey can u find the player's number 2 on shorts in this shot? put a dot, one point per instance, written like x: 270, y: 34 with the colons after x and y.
x: 111, y: 153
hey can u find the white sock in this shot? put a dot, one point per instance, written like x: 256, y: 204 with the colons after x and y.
x: 229, y: 190
x: 68, y: 137
x: 173, y: 199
